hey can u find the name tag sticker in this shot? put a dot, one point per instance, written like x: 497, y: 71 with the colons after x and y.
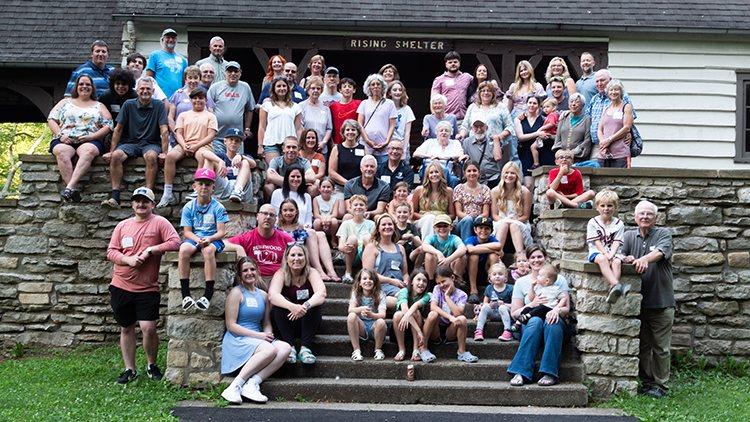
x: 651, y: 248
x: 297, y: 95
x: 395, y: 265
x: 251, y: 302
x: 564, y: 180
x: 386, y: 179
x: 303, y: 294
x: 617, y: 115
x: 359, y: 152
x: 127, y: 242
x: 449, y: 82
x: 316, y: 163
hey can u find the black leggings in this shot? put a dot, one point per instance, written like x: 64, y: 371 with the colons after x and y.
x: 538, y: 311
x: 304, y: 328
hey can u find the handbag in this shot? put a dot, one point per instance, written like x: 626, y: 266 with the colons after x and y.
x: 636, y: 142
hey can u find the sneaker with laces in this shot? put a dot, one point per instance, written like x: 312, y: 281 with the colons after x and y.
x: 76, y: 195
x: 235, y: 197
x: 166, y: 200
x: 251, y: 391
x: 153, y: 372
x: 126, y: 376
x: 67, y: 195
x: 232, y: 394
x: 111, y: 203
x: 506, y: 336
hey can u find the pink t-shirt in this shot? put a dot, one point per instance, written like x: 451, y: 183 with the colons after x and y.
x: 130, y: 238
x: 267, y: 253
x: 454, y: 88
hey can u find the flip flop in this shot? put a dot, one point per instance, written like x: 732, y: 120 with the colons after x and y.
x: 399, y: 356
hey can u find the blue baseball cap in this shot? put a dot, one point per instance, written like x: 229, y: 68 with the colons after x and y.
x: 234, y: 132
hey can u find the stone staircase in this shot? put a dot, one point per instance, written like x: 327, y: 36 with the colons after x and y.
x: 336, y: 378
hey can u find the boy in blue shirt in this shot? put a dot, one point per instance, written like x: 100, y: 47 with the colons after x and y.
x: 483, y: 250
x: 443, y: 249
x: 203, y: 221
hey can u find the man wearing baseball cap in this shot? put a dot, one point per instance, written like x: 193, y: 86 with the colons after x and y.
x: 236, y: 185
x: 483, y: 250
x: 166, y: 65
x: 233, y: 104
x: 135, y: 248
x: 480, y: 148
x: 331, y: 89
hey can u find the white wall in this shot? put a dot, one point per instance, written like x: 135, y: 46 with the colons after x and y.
x: 684, y: 93
x: 148, y: 37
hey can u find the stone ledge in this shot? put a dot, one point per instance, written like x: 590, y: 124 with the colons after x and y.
x: 655, y: 172
x: 224, y: 257
x: 50, y: 159
x: 592, y: 268
x: 9, y: 203
x: 573, y: 213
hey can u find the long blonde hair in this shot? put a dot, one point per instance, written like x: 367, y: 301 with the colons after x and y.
x: 519, y: 83
x: 288, y: 275
x: 504, y: 194
x: 442, y: 188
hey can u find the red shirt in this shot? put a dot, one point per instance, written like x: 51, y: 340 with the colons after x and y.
x: 267, y: 253
x: 340, y: 113
x: 570, y: 184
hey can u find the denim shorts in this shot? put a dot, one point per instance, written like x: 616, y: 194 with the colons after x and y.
x: 138, y: 149
x: 272, y: 148
x: 219, y: 244
x: 369, y: 329
x: 593, y: 256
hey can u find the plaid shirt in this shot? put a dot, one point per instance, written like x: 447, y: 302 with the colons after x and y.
x: 596, y: 107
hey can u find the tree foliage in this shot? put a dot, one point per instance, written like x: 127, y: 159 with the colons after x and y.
x: 16, y: 139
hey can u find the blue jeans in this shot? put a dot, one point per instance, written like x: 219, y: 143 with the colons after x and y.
x: 535, y: 334
x: 465, y: 227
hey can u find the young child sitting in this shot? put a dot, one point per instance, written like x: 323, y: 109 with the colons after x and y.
x: 366, y: 319
x: 327, y: 209
x: 543, y: 286
x: 443, y: 248
x: 566, y: 183
x: 496, y: 303
x: 483, y: 250
x: 520, y: 268
x: 410, y: 301
x: 408, y: 233
x: 203, y: 220
x: 400, y: 196
x: 549, y: 107
x: 604, y: 236
x: 446, y: 320
x: 353, y: 234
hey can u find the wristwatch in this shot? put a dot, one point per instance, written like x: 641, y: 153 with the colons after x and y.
x: 149, y: 251
x: 306, y: 305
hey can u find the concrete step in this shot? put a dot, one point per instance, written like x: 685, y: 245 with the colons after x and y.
x: 339, y: 307
x: 337, y: 325
x: 484, y: 370
x: 497, y: 393
x: 338, y: 290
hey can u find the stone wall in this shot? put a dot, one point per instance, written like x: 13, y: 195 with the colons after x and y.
x: 709, y: 215
x: 53, y: 269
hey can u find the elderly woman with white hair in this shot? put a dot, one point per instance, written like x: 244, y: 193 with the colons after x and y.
x: 430, y: 121
x: 614, y: 128
x: 377, y: 116
x: 442, y: 149
x: 574, y: 129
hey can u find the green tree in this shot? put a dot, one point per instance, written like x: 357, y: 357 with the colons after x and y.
x: 16, y: 139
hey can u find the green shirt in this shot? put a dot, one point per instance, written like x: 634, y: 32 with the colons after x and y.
x: 403, y: 298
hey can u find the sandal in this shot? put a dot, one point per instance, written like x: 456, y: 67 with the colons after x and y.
x: 467, y: 357
x: 292, y: 356
x: 187, y: 303
x: 357, y: 355
x: 517, y: 380
x: 399, y: 356
x: 379, y: 355
x: 306, y: 356
x: 427, y: 356
x: 415, y: 356
x: 202, y: 303
x: 547, y: 380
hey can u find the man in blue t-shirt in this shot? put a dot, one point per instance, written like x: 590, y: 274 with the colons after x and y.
x: 166, y: 65
x: 483, y: 250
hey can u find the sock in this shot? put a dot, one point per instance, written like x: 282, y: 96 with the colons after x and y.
x: 116, y: 195
x: 238, y: 381
x: 167, y: 190
x: 256, y: 379
x: 185, y: 287
x: 209, y: 292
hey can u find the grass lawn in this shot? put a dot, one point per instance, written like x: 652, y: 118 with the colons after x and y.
x: 696, y: 394
x: 80, y: 385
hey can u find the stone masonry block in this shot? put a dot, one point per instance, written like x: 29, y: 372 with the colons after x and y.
x: 608, y: 324
x: 35, y: 287
x: 698, y: 259
x: 610, y: 365
x: 194, y: 328
x: 26, y: 244
x: 34, y: 298
x: 739, y: 259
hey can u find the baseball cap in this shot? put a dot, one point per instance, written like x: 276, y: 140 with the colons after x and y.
x: 234, y: 133
x: 331, y: 69
x: 197, y: 92
x: 482, y: 221
x: 144, y: 192
x: 233, y: 64
x: 478, y: 119
x: 442, y: 219
x: 205, y: 174
x: 168, y: 31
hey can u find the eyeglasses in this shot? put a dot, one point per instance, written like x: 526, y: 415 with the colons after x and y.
x: 267, y: 214
x: 565, y: 157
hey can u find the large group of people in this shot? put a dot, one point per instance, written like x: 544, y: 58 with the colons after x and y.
x: 339, y: 185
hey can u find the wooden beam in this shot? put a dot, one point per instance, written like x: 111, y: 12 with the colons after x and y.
x: 508, y: 69
x: 287, y: 53
x: 262, y: 57
x: 302, y: 66
x: 491, y: 72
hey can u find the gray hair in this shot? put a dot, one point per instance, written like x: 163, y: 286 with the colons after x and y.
x: 617, y: 83
x: 206, y: 66
x: 646, y: 204
x: 603, y: 72
x: 374, y: 77
x: 216, y: 38
x: 368, y: 157
x: 577, y: 96
x: 145, y: 80
x: 444, y: 123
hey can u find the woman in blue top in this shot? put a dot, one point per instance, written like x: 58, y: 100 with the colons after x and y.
x: 387, y: 257
x: 249, y: 348
x: 546, y: 334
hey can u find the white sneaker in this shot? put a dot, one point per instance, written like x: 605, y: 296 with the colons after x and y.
x: 232, y: 394
x: 166, y: 200
x: 251, y: 391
